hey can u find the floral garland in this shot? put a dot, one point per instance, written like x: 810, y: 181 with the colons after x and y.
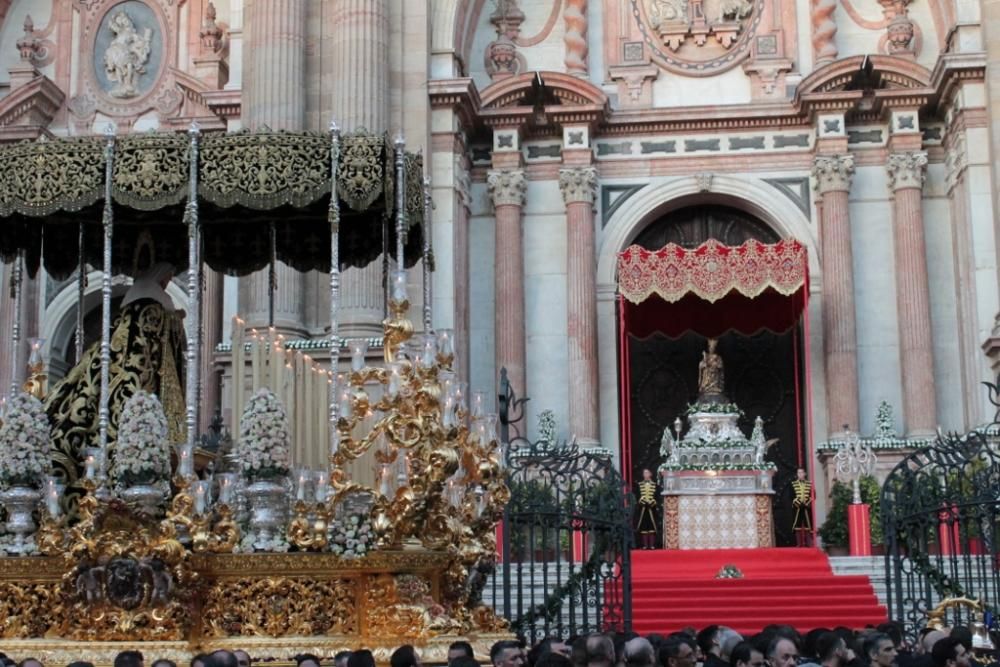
x: 24, y: 442
x: 262, y: 449
x: 351, y: 537
x: 714, y: 409
x: 677, y: 467
x: 142, y: 454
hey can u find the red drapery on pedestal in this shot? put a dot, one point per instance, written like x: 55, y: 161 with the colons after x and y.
x: 710, y: 290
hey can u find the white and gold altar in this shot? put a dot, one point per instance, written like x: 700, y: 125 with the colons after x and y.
x: 389, y: 543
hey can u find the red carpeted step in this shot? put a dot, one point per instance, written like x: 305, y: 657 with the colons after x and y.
x: 676, y: 589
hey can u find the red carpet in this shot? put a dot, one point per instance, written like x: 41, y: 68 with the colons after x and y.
x: 677, y: 588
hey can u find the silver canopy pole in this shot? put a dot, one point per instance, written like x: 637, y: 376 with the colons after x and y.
x: 334, y: 219
x: 16, y: 276
x: 81, y: 289
x: 107, y: 221
x: 400, y: 146
x: 194, y: 290
x: 428, y: 258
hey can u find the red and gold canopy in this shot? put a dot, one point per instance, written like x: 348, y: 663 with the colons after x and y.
x: 713, y: 288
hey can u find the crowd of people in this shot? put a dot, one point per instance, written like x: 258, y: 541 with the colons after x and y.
x: 714, y: 646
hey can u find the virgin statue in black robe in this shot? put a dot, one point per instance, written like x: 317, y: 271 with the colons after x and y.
x: 147, y: 353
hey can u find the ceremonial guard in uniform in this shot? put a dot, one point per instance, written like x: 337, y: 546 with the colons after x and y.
x: 646, y: 526
x: 802, y: 497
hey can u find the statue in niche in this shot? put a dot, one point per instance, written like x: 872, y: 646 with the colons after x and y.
x: 667, y: 11
x: 711, y: 376
x: 126, y: 56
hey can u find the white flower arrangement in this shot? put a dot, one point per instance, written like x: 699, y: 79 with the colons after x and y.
x: 24, y: 443
x: 351, y: 537
x: 142, y: 452
x: 263, y: 446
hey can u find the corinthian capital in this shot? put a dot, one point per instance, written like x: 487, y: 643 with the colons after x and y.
x: 578, y: 185
x: 507, y: 187
x: 833, y: 172
x: 907, y: 170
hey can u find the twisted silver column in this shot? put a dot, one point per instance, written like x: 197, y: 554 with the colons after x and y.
x: 194, y: 290
x: 107, y: 221
x: 333, y: 216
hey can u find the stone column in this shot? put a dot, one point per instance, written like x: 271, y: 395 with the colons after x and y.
x: 906, y: 180
x: 507, y: 189
x: 360, y: 77
x: 211, y: 323
x: 274, y: 96
x: 579, y: 187
x: 833, y: 181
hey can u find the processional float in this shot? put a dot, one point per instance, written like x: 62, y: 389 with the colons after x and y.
x: 335, y: 564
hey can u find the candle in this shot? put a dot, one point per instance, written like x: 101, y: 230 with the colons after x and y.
x: 256, y: 360
x: 359, y: 348
x: 446, y: 342
x: 448, y: 413
x: 89, y: 466
x: 395, y: 380
x: 236, y: 404
x: 302, y: 485
x: 399, y: 286
x: 277, y: 366
x: 52, y: 493
x: 200, y: 496
x: 307, y: 395
x: 227, y: 482
x: 478, y: 404
x: 428, y: 350
x: 185, y: 460
x: 320, y: 391
x: 384, y: 481
x: 322, y: 485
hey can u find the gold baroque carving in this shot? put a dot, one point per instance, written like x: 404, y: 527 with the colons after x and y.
x: 264, y: 170
x: 42, y: 177
x: 280, y: 607
x: 151, y: 170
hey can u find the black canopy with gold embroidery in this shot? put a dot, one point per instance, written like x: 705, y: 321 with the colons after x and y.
x: 246, y: 181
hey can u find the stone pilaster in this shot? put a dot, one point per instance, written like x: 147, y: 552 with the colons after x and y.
x: 906, y: 179
x: 840, y: 339
x: 507, y: 189
x: 274, y: 96
x: 359, y: 85
x: 579, y: 188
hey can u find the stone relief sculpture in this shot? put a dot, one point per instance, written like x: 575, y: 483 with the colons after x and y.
x: 667, y: 11
x: 126, y: 55
x: 734, y: 10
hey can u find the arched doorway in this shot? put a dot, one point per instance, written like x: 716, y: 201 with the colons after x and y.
x: 764, y: 371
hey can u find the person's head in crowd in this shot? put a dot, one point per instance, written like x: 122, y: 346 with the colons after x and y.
x: 949, y: 652
x: 929, y: 637
x: 879, y: 650
x: 809, y: 651
x: 782, y: 652
x: 506, y: 653
x: 677, y: 651
x: 75, y: 663
x: 831, y: 650
x: 639, y: 653
x: 199, y: 660
x: 362, y: 658
x: 708, y: 641
x: 459, y: 649
x: 243, y: 658
x: 895, y: 632
x: 594, y: 650
x: 463, y: 661
x: 123, y: 659
x: 224, y: 658
x: 547, y: 645
x: 405, y: 656
x: 745, y: 655
x: 550, y: 659
x: 304, y: 660
x: 728, y: 640
x: 35, y: 662
x: 163, y: 662
x: 963, y: 634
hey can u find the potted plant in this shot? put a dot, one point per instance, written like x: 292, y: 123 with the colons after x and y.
x: 24, y: 462
x: 833, y: 532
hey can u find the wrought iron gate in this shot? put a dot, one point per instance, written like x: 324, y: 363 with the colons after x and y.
x: 566, y: 536
x: 940, y: 511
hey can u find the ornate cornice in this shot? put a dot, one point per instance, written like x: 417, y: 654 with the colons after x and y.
x: 507, y: 187
x: 578, y: 185
x: 906, y: 170
x: 27, y: 111
x: 460, y: 95
x: 833, y: 173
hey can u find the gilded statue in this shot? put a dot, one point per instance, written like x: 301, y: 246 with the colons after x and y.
x: 711, y: 377
x: 126, y: 56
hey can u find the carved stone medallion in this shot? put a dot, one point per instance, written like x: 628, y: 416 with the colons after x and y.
x: 698, y: 37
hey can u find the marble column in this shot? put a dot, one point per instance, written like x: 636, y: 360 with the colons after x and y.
x: 359, y: 85
x: 906, y: 180
x: 274, y: 97
x: 840, y: 339
x: 507, y: 189
x: 579, y: 187
x: 211, y: 324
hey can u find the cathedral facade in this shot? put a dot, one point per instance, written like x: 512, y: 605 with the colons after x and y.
x: 558, y: 133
